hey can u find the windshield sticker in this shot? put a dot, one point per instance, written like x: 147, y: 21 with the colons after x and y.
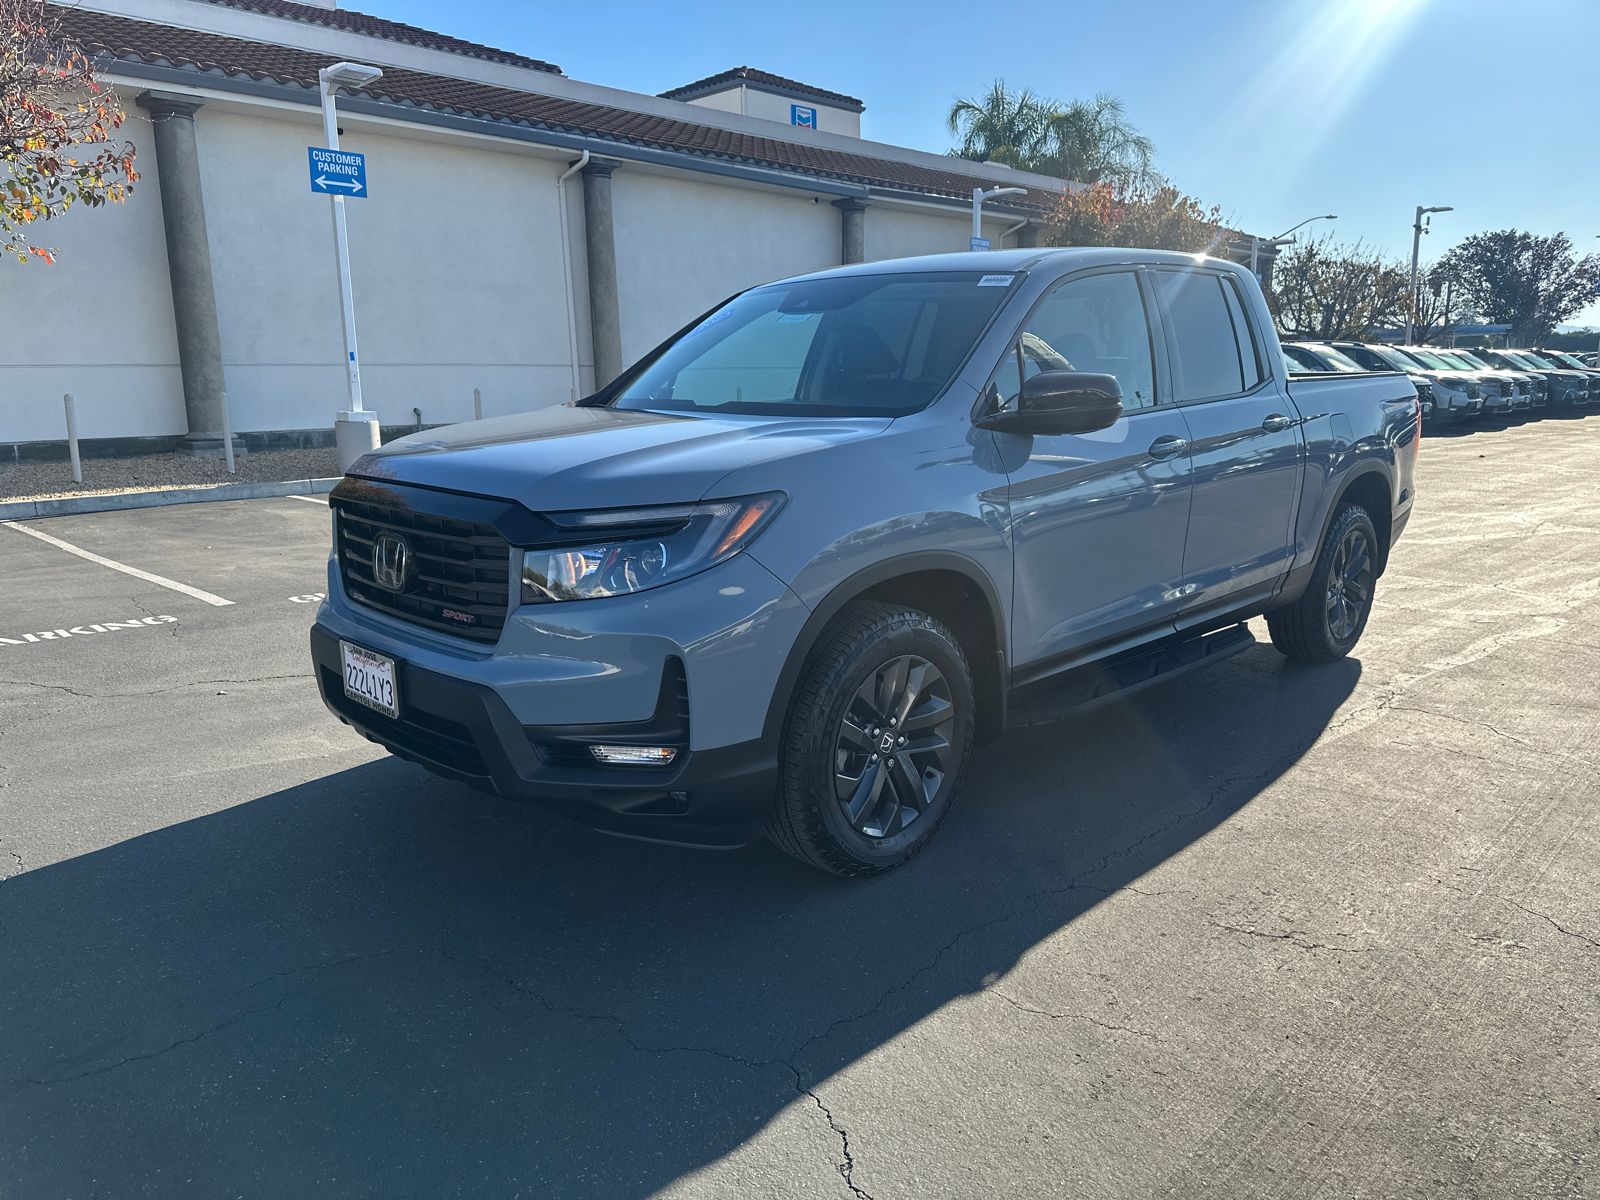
x: 719, y: 315
x: 794, y: 318
x: 996, y: 281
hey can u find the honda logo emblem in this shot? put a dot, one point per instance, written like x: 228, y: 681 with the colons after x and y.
x: 390, y: 556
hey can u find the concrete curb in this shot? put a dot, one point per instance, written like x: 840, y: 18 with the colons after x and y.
x: 27, y: 510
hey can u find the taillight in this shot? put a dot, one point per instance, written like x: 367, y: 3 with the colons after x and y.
x: 1416, y: 442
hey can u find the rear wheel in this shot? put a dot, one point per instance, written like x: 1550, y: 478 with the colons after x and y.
x: 1328, y: 619
x: 876, y: 741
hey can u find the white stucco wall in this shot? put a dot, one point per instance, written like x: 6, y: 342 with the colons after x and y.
x: 97, y: 324
x: 902, y: 233
x: 754, y: 102
x: 682, y: 245
x: 758, y: 103
x: 455, y: 267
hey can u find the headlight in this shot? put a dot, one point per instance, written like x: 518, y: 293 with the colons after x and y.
x: 640, y: 548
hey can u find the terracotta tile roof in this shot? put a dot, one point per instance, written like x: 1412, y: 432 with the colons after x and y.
x: 713, y: 83
x: 393, y: 31
x: 140, y: 41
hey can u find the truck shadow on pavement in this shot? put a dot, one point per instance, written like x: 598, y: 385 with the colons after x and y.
x: 378, y: 983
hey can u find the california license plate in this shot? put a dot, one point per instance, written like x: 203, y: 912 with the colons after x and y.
x: 369, y: 679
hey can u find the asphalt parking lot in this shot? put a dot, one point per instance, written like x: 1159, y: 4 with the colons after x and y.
x: 1268, y: 930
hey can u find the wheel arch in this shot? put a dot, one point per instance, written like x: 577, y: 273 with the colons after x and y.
x: 949, y: 587
x: 1372, y: 490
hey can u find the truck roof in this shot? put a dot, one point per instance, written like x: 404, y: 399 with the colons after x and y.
x: 1025, y: 259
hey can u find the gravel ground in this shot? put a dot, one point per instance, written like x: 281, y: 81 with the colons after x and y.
x: 108, y: 476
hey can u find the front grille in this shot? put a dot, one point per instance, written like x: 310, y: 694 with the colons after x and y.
x: 448, y: 743
x: 1505, y: 387
x: 1425, y: 394
x: 460, y: 581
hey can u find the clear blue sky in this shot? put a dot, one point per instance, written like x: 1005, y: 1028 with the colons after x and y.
x: 1274, y: 109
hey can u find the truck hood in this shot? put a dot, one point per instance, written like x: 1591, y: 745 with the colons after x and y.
x: 561, y: 458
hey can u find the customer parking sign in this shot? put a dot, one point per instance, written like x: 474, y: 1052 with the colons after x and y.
x: 337, y: 172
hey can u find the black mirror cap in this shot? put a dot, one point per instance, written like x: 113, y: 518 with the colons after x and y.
x: 1057, y: 402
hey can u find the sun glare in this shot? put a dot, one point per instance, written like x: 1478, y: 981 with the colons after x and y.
x: 1327, y: 55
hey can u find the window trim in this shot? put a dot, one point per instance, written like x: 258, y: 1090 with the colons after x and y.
x: 1154, y: 331
x: 1268, y: 376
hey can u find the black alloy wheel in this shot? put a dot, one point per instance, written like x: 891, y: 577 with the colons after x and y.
x: 1349, y: 584
x: 891, y: 752
x: 1328, y: 618
x: 876, y: 741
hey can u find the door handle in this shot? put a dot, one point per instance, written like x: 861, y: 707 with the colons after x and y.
x: 1167, y: 446
x: 1277, y: 423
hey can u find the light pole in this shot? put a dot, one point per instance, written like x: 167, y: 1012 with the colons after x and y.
x: 355, y: 432
x: 978, y: 197
x: 1256, y: 243
x: 1416, y: 248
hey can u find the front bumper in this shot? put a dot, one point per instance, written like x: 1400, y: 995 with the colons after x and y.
x: 464, y: 731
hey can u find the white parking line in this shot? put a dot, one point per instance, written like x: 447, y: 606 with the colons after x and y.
x: 116, y: 566
x: 310, y: 499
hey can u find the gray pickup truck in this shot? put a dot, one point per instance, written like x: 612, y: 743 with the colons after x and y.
x: 782, y: 574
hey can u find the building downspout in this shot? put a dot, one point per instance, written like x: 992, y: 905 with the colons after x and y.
x: 566, y: 272
x: 605, y: 323
x: 1007, y: 233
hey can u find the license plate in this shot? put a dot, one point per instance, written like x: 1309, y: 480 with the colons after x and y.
x: 369, y: 679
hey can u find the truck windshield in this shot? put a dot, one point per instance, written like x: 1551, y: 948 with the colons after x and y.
x: 857, y: 345
x: 1473, y: 361
x: 1533, y: 360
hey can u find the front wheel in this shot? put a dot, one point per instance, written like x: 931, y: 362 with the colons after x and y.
x: 1328, y: 619
x: 876, y: 741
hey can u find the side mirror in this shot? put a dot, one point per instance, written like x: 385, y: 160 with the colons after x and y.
x: 1055, y: 402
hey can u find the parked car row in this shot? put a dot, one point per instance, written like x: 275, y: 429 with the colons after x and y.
x: 1454, y: 384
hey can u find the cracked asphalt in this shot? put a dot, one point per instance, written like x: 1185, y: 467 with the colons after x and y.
x: 1267, y: 930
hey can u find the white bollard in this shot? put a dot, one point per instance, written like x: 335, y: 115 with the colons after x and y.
x: 477, y: 405
x: 72, y: 440
x: 355, y: 434
x: 227, y: 435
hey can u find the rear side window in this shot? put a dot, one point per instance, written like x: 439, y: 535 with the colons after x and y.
x: 1200, y: 333
x: 1249, y: 350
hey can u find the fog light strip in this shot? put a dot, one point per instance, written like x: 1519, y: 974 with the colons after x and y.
x: 635, y: 756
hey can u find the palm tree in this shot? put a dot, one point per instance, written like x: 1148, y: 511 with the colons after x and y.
x: 1004, y: 126
x: 1091, y: 141
x: 1086, y: 141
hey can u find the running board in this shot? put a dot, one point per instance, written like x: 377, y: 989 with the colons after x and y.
x: 1093, y: 685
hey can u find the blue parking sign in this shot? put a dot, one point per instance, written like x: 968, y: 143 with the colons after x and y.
x: 337, y: 172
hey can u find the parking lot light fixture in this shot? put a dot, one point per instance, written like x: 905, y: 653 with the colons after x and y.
x: 1282, y: 239
x: 1417, y: 230
x: 979, y: 196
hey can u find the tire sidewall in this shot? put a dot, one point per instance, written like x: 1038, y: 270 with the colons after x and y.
x: 1353, y: 517
x: 816, y: 771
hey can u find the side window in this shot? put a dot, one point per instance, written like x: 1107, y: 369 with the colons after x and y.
x: 1249, y: 348
x: 1200, y: 334
x: 1001, y: 390
x: 1098, y: 325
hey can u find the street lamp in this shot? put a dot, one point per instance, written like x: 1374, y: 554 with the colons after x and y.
x: 1256, y: 243
x: 355, y: 432
x: 1417, y: 231
x: 978, y: 197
